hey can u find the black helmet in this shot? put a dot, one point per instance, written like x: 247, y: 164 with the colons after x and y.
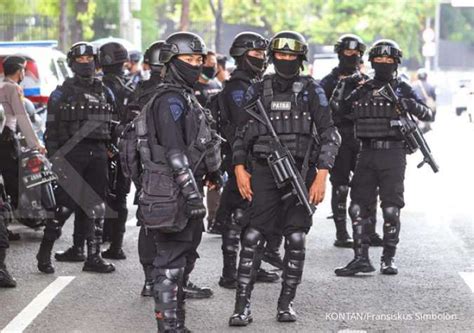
x: 81, y: 49
x: 182, y: 43
x: 246, y: 41
x: 152, y: 54
x: 13, y: 63
x: 290, y: 42
x: 385, y: 47
x: 349, y: 42
x: 112, y: 53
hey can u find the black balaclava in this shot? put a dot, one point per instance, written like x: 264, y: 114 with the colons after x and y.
x: 383, y: 71
x: 252, y: 65
x: 85, y: 70
x: 113, y: 69
x: 349, y: 64
x: 185, y: 72
x: 287, y: 69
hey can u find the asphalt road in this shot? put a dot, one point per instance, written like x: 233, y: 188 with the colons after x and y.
x: 434, y: 291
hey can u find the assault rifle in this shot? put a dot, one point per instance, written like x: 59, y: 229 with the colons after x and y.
x: 409, y: 129
x: 282, y: 163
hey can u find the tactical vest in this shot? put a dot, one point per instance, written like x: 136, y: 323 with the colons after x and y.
x: 373, y: 114
x: 144, y: 160
x: 86, y: 111
x: 291, y: 119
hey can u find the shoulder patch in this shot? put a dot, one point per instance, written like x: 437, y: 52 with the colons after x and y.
x: 238, y: 97
x: 56, y: 95
x: 249, y: 94
x: 176, y: 107
x: 323, y: 101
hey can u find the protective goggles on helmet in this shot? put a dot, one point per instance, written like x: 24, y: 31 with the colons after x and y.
x: 259, y: 44
x: 385, y: 50
x: 350, y: 45
x: 288, y: 44
x: 83, y: 50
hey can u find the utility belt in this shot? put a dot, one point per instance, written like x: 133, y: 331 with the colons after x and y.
x: 296, y: 144
x: 382, y: 144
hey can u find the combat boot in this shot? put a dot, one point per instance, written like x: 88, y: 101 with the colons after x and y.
x: 72, y: 254
x: 271, y: 253
x: 357, y: 265
x: 266, y: 276
x: 114, y: 253
x: 387, y: 266
x: 147, y: 290
x: 242, y: 315
x: 94, y: 261
x: 6, y: 280
x: 44, y: 256
x: 193, y: 291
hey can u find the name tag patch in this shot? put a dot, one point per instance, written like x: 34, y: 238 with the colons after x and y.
x: 281, y: 106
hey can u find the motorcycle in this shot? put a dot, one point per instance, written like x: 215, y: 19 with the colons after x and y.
x: 36, y: 197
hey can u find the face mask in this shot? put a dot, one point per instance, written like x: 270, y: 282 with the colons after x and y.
x: 209, y: 72
x: 256, y: 65
x: 384, y: 72
x: 349, y: 63
x: 84, y: 69
x: 189, y: 73
x: 287, y: 69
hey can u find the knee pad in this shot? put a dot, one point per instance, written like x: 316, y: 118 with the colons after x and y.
x: 52, y: 230
x: 295, y: 241
x: 391, y: 225
x: 341, y: 192
x: 237, y: 216
x: 62, y: 213
x: 230, y: 240
x: 251, y: 241
x: 98, y: 211
x: 355, y: 212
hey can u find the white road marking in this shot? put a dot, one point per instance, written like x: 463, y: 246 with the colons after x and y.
x: 468, y: 277
x: 37, y: 305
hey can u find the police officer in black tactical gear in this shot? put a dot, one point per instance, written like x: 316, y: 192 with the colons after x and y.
x: 77, y: 133
x: 249, y: 51
x: 180, y: 156
x: 147, y: 249
x: 299, y: 112
x: 382, y: 159
x: 112, y: 57
x: 337, y: 85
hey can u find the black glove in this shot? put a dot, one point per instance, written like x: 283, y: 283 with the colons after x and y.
x: 215, y: 178
x: 195, y: 209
